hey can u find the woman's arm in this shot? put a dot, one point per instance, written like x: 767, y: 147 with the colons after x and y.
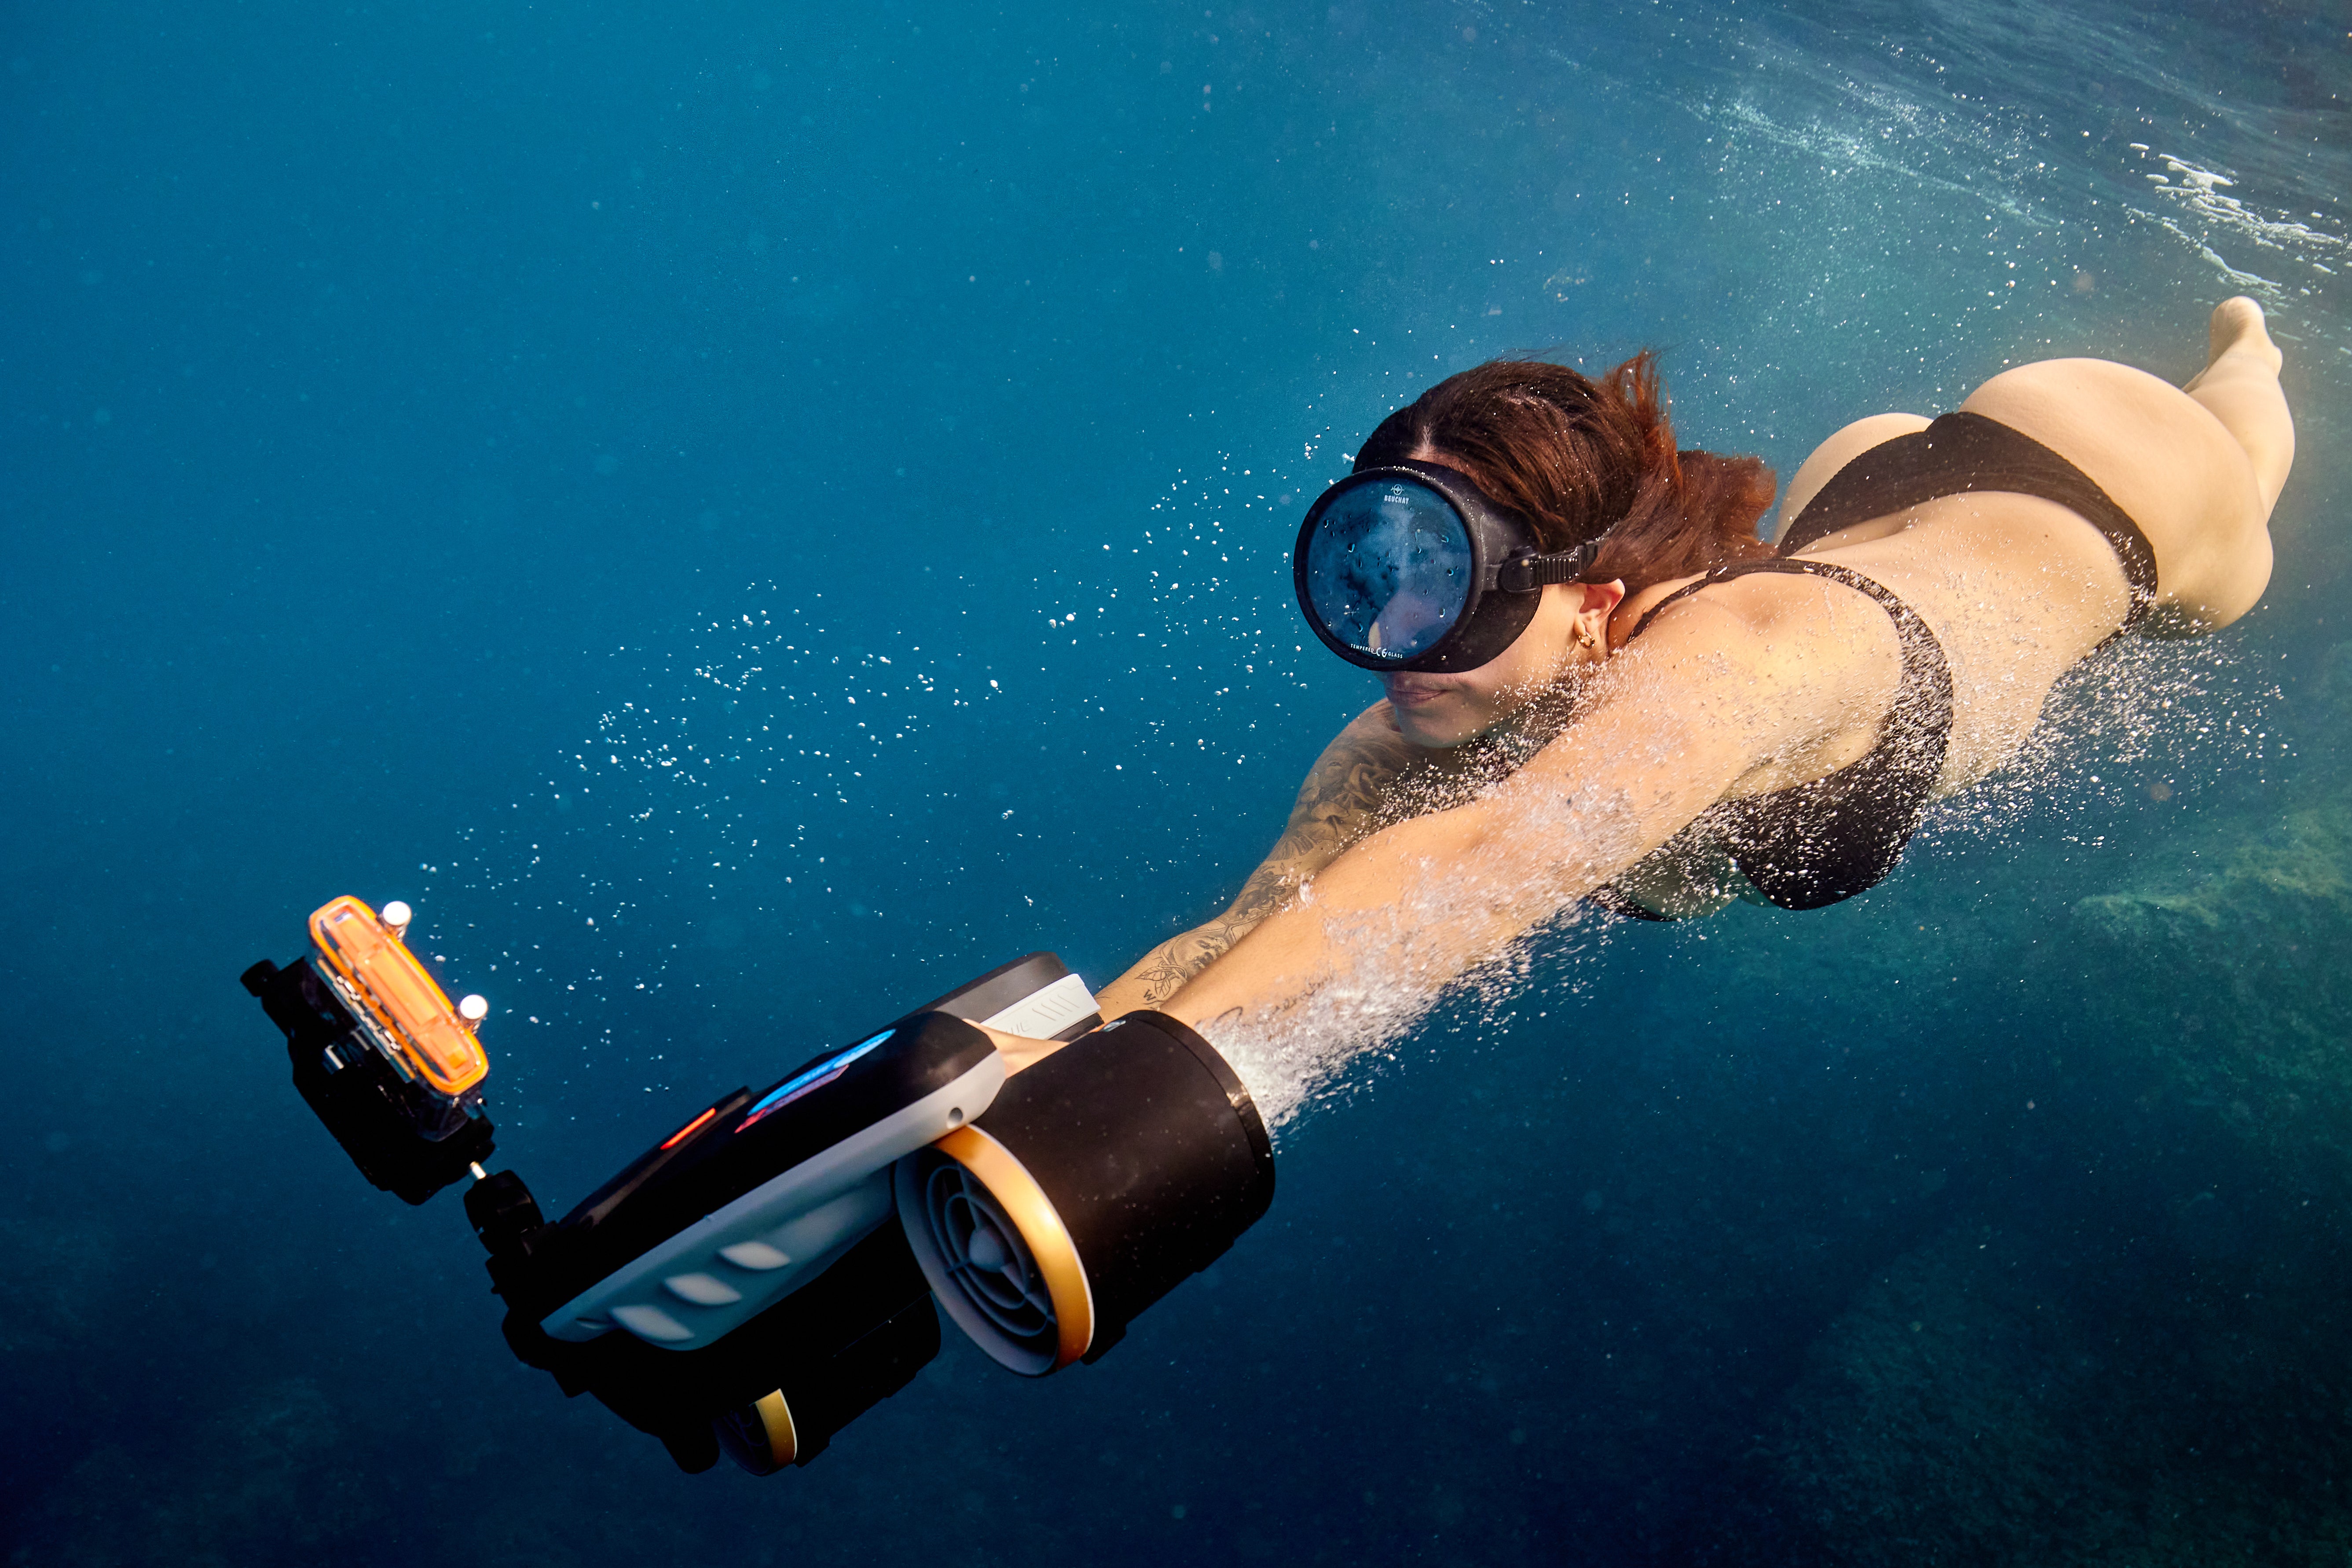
x: 1337, y: 806
x: 1704, y: 704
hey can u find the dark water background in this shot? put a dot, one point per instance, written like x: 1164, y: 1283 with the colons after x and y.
x: 476, y: 455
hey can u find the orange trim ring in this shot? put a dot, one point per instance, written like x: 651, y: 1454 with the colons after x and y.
x: 403, y: 999
x: 1025, y: 1203
x: 776, y: 1420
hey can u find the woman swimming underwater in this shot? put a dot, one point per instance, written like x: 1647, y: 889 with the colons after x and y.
x: 1601, y: 685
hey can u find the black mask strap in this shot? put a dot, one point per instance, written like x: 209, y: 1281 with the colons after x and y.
x: 1525, y: 573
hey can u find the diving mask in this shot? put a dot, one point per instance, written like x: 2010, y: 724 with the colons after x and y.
x: 1409, y: 566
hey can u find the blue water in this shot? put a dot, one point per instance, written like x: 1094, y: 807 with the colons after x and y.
x: 745, y: 517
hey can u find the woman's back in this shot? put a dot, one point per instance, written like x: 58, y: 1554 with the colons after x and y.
x: 2015, y: 589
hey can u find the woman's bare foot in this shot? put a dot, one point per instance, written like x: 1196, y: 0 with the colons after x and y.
x: 2237, y: 327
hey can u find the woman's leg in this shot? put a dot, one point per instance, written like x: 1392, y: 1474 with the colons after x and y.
x: 2197, y: 470
x: 2240, y: 386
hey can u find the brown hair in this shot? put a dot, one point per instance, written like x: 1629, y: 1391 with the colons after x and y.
x: 1578, y: 457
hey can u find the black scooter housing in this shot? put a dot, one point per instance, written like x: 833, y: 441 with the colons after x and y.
x: 828, y: 1351
x: 1137, y: 1144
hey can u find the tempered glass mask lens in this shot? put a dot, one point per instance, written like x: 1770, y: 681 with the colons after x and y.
x: 1388, y: 569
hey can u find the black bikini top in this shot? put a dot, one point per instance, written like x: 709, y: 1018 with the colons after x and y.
x: 1839, y: 836
x: 1817, y: 843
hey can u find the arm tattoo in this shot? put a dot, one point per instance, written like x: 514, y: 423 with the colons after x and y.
x: 1345, y: 797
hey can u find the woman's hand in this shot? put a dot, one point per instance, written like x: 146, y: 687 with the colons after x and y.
x: 1020, y: 1051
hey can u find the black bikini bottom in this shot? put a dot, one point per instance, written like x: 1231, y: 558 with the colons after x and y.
x: 1961, y: 454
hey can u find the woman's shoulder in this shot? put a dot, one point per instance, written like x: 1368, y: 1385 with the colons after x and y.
x: 1370, y: 740
x: 1348, y: 792
x: 1729, y: 612
x: 1634, y: 611
x: 1754, y: 639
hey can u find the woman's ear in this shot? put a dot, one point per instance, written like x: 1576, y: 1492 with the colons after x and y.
x: 1594, y: 604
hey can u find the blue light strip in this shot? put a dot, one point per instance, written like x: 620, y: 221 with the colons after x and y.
x: 816, y: 1078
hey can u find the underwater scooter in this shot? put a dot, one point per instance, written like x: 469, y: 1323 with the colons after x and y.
x: 769, y: 1272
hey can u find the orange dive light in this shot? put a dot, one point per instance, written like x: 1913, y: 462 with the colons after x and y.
x: 395, y: 999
